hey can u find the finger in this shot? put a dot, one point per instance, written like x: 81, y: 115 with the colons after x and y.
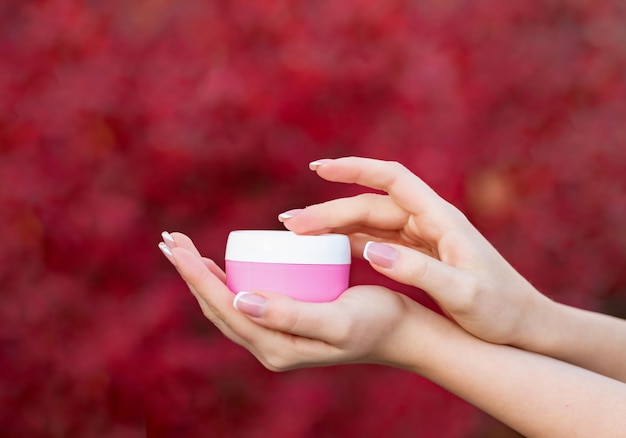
x: 214, y: 268
x: 182, y: 241
x: 358, y: 241
x: 199, y: 276
x: 367, y: 210
x: 405, y: 265
x: 423, y: 246
x: 408, y: 190
x: 284, y: 314
x: 215, y: 298
x: 362, y: 218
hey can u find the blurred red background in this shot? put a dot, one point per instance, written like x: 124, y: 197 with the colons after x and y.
x: 122, y: 119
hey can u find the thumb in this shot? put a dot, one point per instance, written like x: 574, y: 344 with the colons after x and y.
x: 282, y: 313
x: 408, y: 266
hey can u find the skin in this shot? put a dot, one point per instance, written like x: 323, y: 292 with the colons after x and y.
x: 543, y: 368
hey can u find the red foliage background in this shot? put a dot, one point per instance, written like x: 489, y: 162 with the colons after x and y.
x: 122, y: 119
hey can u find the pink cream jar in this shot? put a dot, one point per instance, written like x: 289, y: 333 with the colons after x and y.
x: 306, y: 268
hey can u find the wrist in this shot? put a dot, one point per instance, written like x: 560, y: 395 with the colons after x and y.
x: 543, y: 328
x: 422, y: 336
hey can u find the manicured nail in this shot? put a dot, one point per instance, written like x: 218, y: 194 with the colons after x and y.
x: 249, y: 303
x: 380, y: 254
x: 313, y: 165
x: 167, y: 252
x: 289, y: 214
x: 168, y: 239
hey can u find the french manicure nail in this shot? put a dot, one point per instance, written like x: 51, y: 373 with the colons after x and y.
x: 250, y: 304
x: 167, y: 252
x: 289, y: 214
x: 168, y: 239
x: 313, y: 165
x: 380, y: 254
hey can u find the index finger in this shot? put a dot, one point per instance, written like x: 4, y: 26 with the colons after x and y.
x: 407, y: 189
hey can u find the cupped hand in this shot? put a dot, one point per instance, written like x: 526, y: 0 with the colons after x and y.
x: 364, y: 325
x: 410, y: 234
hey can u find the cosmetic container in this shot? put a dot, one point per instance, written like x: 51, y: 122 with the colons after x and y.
x: 307, y: 268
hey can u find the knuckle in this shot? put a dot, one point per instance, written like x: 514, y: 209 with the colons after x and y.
x: 365, y: 197
x: 470, y: 295
x: 418, y: 272
x: 455, y: 213
x: 457, y: 216
x: 342, y: 332
x: 396, y: 166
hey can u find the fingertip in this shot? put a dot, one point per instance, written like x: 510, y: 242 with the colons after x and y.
x: 380, y: 254
x: 301, y: 221
x: 314, y: 165
x: 177, y: 237
x: 365, y: 249
x: 250, y: 303
x: 167, y: 252
x: 290, y: 214
x: 183, y: 241
x: 168, y: 239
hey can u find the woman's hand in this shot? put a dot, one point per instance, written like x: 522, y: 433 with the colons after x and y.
x: 365, y: 324
x: 412, y: 235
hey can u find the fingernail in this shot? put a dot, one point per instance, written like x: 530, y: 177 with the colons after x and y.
x: 167, y: 252
x: 168, y: 239
x: 380, y: 254
x: 250, y: 304
x: 289, y: 214
x: 313, y: 165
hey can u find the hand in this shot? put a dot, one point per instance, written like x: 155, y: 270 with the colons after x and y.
x: 412, y: 235
x: 365, y: 324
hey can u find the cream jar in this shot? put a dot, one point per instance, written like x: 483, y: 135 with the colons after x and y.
x: 306, y: 268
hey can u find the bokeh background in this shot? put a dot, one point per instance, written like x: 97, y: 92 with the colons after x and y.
x: 121, y: 119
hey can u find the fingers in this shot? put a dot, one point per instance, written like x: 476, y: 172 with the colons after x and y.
x: 213, y: 296
x: 180, y: 240
x: 277, y: 350
x: 284, y: 333
x: 285, y: 314
x: 409, y: 205
x: 208, y: 286
x: 341, y: 330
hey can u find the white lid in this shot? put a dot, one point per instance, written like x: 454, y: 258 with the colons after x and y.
x: 270, y: 246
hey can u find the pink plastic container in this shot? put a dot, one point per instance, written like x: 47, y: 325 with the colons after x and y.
x: 307, y: 268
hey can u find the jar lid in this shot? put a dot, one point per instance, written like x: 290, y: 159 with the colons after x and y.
x: 269, y: 246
